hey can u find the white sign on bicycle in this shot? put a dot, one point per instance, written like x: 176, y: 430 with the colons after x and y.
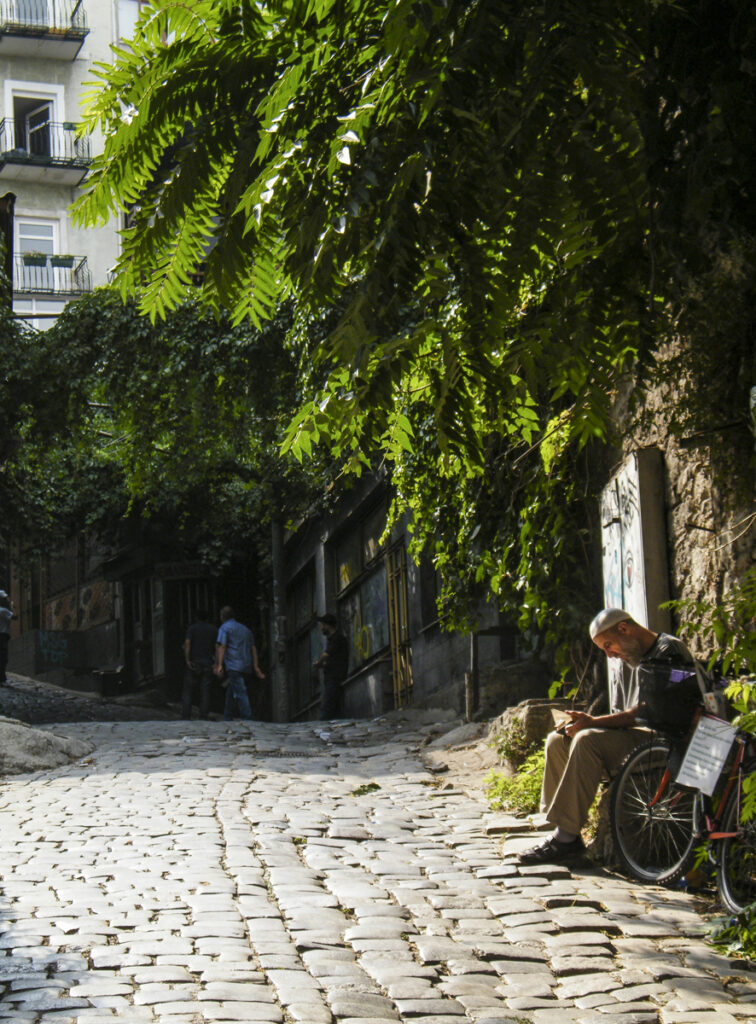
x: 707, y: 754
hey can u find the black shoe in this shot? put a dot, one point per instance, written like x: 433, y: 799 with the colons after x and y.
x: 553, y: 852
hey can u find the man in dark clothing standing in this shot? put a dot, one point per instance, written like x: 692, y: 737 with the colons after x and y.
x: 6, y: 614
x: 334, y: 661
x: 199, y: 652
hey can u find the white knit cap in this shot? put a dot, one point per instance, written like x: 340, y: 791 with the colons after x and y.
x: 607, y: 618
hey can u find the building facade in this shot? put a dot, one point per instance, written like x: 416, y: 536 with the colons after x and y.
x: 386, y: 607
x: 109, y: 618
x: 47, y: 52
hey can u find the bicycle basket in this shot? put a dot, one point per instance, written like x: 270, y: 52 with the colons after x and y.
x: 668, y: 696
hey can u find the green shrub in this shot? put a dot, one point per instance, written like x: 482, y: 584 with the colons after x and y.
x: 512, y: 744
x: 520, y: 792
x: 735, y: 936
x: 728, y: 627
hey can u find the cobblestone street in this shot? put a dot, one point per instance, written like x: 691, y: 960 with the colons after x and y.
x: 205, y: 872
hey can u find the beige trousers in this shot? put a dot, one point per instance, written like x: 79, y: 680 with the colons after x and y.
x: 575, y: 767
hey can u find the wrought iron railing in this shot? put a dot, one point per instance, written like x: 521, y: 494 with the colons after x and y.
x: 51, y: 275
x: 66, y: 17
x: 47, y: 143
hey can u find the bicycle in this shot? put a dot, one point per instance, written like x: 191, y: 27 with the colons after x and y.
x: 657, y: 824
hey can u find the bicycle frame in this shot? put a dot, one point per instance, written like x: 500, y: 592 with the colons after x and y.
x: 735, y: 775
x: 712, y: 820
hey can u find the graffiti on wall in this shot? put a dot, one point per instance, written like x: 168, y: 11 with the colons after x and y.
x: 95, y: 606
x: 634, y: 550
x: 622, y: 550
x: 53, y: 648
x: 364, y: 616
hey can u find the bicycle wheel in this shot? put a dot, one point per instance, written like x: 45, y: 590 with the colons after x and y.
x: 736, y: 859
x: 654, y: 843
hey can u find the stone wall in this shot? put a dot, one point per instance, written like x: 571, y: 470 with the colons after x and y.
x: 708, y: 473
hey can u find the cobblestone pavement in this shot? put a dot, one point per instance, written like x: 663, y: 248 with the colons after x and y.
x: 205, y: 872
x: 37, y: 703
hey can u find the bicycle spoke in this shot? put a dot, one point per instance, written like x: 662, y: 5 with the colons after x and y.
x: 654, y: 842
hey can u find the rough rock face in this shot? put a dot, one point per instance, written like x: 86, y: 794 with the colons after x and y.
x: 534, y: 720
x: 708, y: 484
x: 24, y: 749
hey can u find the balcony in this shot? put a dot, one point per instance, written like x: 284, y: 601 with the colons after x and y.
x: 45, y: 29
x: 49, y: 153
x: 40, y: 274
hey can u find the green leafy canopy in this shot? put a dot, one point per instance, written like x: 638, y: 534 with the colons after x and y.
x: 503, y: 207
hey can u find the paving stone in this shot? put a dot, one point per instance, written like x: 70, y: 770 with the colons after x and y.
x: 540, y: 985
x: 595, y: 1001
x: 465, y: 984
x: 366, y: 1020
x: 349, y: 1006
x: 515, y: 967
x: 635, y: 1017
x: 309, y: 1012
x: 45, y: 1003
x: 583, y: 985
x: 415, y: 1007
x: 531, y: 1003
x: 252, y: 1013
x: 569, y: 965
x: 409, y: 988
x: 699, y: 1017
x: 240, y: 991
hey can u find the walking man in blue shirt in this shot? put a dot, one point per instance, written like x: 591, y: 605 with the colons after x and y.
x: 235, y: 647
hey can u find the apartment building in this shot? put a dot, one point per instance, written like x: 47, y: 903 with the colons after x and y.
x: 47, y: 51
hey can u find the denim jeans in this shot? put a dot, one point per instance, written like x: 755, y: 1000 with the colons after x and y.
x: 236, y: 693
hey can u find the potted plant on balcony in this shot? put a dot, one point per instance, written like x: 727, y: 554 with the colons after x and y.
x: 34, y: 259
x: 62, y: 259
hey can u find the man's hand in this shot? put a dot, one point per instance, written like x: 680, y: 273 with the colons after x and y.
x: 218, y: 670
x: 579, y: 720
x: 259, y: 672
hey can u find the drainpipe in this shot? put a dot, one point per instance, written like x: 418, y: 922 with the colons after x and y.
x: 7, y: 206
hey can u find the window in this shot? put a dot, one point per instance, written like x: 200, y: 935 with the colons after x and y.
x: 40, y: 314
x: 32, y: 124
x: 364, y: 617
x: 306, y: 640
x: 32, y: 120
x: 128, y: 15
x: 36, y: 238
x: 362, y: 589
x: 430, y: 588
